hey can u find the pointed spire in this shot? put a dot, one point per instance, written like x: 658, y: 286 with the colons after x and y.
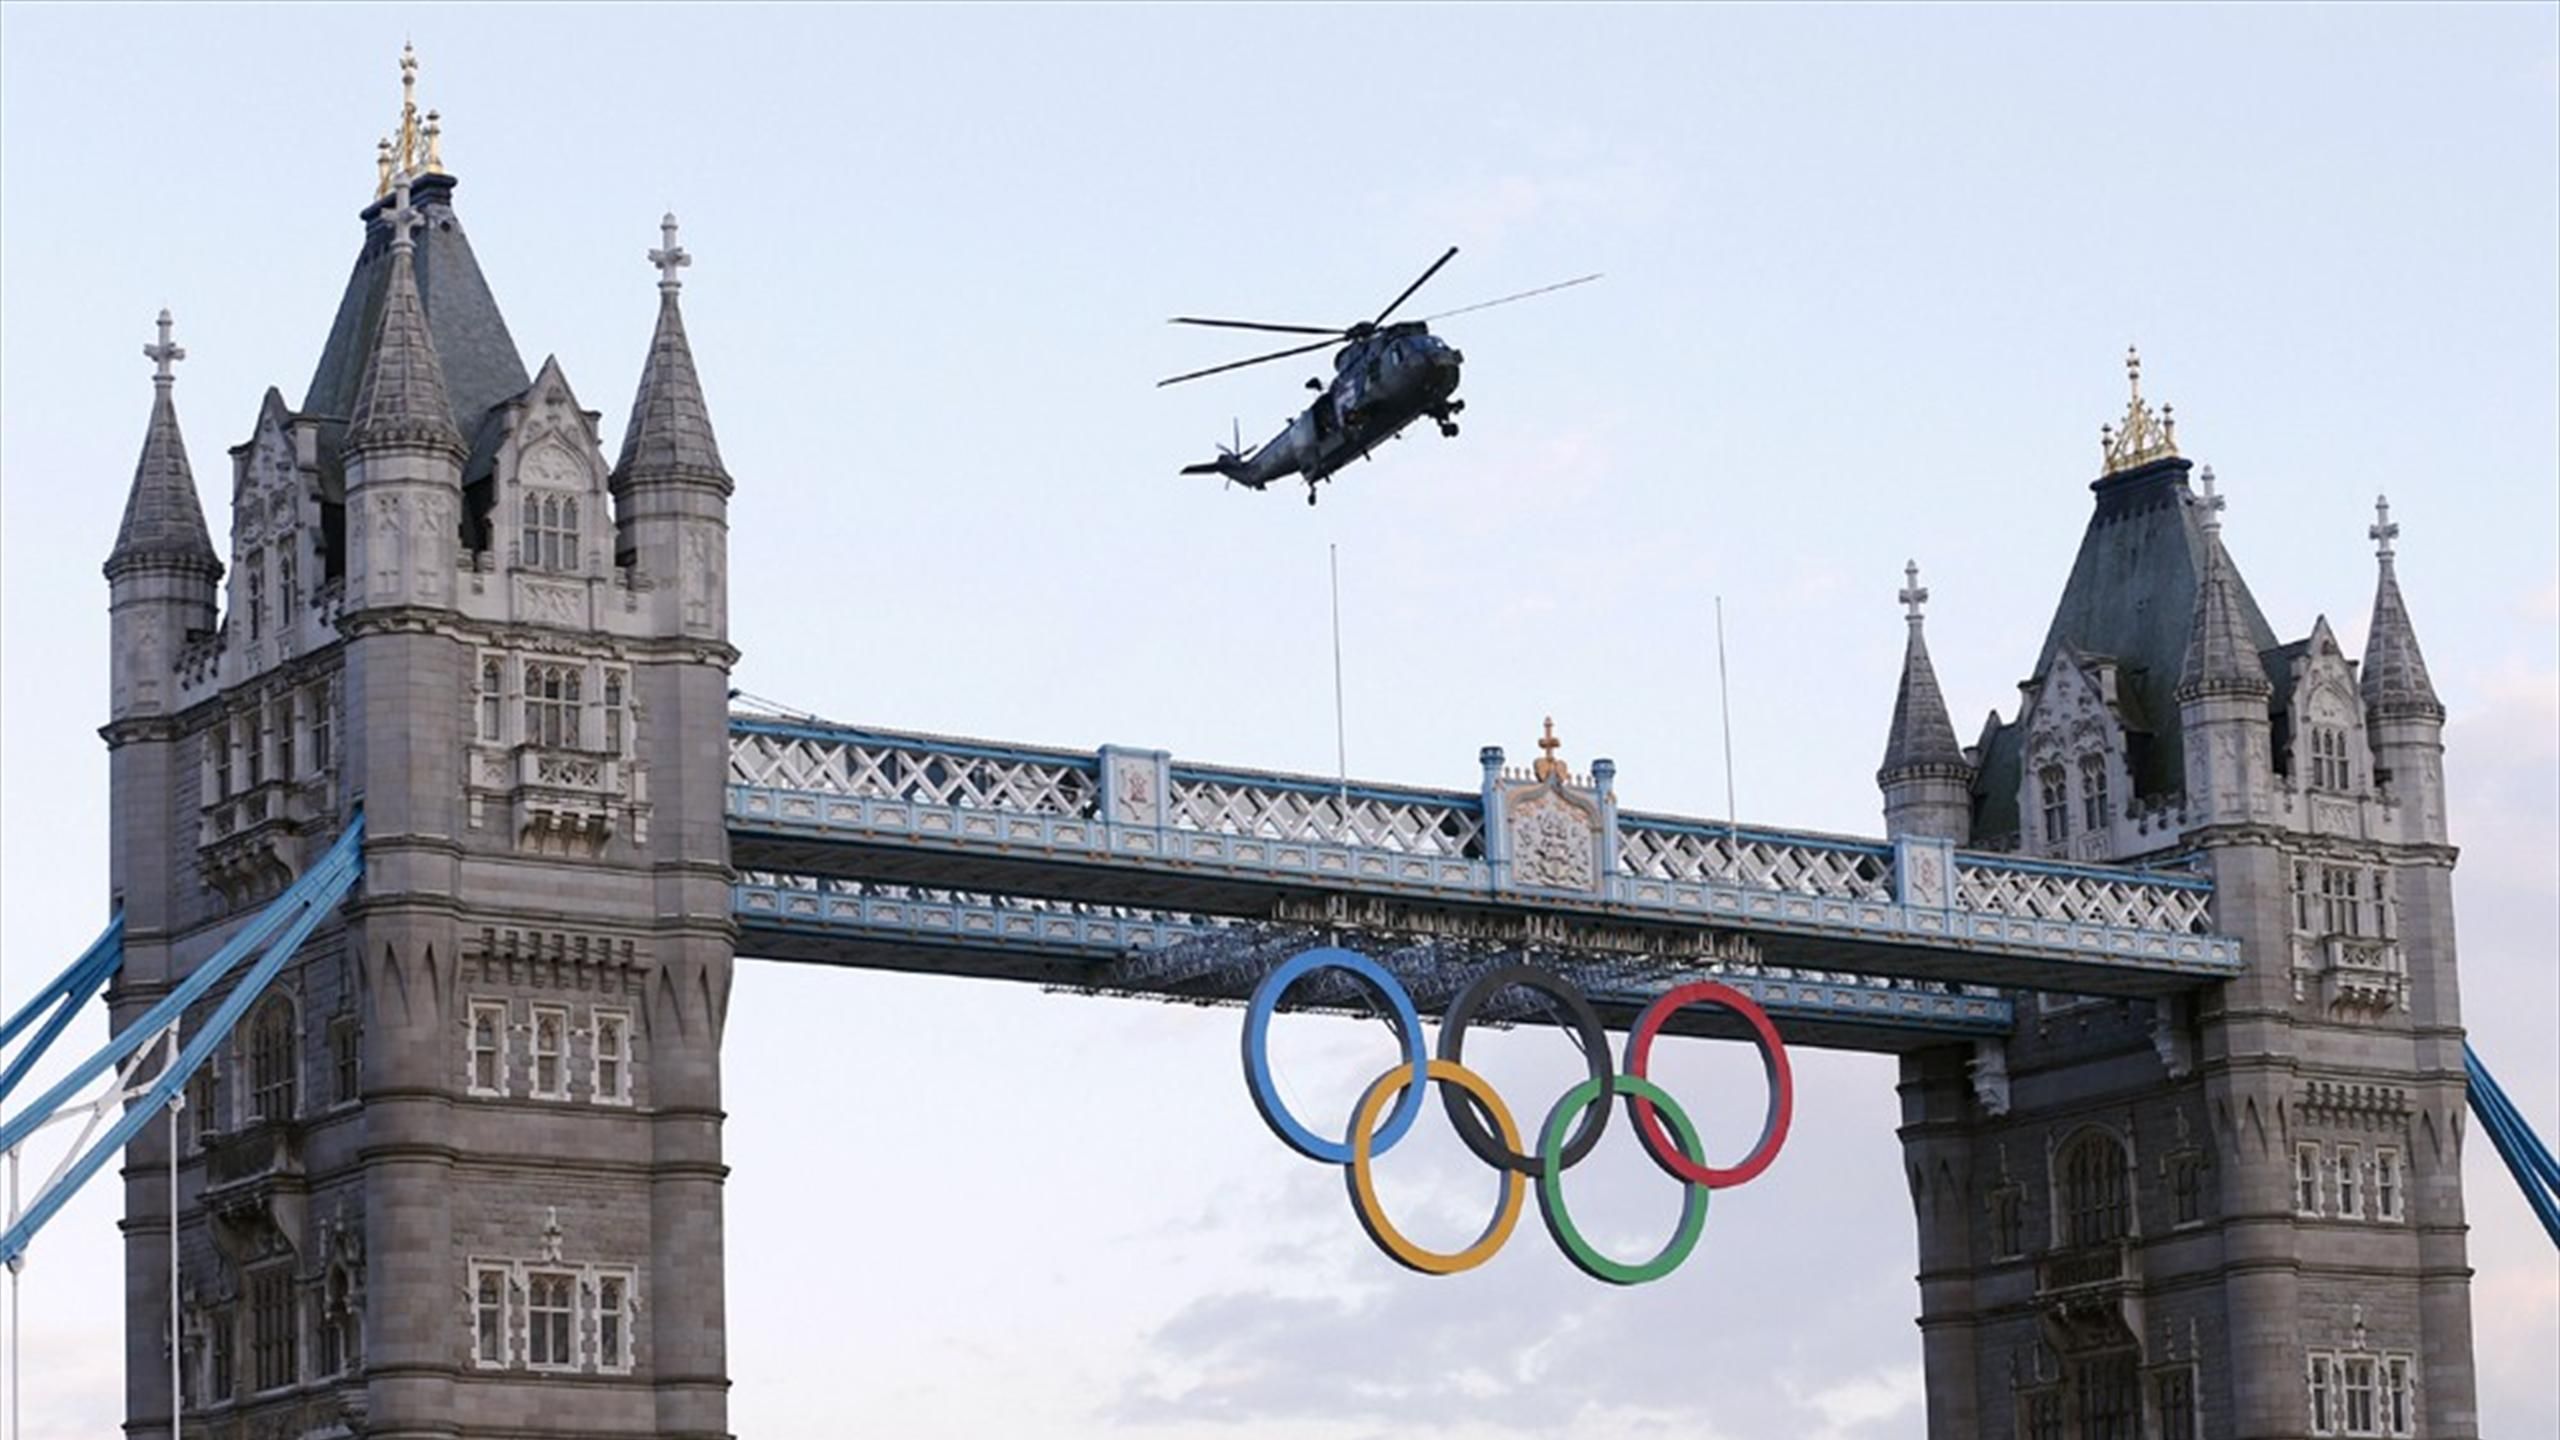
x: 2394, y: 676
x: 401, y: 401
x: 1922, y: 734
x: 163, y: 520
x: 669, y: 436
x: 2222, y: 658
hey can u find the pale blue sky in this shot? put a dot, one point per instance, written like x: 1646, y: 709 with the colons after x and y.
x: 1871, y: 274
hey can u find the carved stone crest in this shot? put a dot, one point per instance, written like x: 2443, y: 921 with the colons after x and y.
x: 1551, y: 844
x: 1135, y: 782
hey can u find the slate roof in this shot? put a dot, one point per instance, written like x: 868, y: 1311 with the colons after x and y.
x: 2131, y: 596
x: 2394, y: 674
x: 481, y: 368
x: 401, y: 397
x: 1922, y: 734
x: 669, y: 435
x: 2223, y: 656
x: 163, y: 519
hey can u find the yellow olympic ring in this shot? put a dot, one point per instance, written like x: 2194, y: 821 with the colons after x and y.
x: 1364, y: 1193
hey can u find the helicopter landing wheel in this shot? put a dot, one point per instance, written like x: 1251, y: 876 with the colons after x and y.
x: 1449, y: 429
x: 1311, y: 494
x: 1457, y: 405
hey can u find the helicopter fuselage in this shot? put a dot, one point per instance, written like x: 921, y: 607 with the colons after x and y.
x: 1382, y: 382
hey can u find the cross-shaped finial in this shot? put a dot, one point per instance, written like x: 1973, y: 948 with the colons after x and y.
x: 1914, y: 594
x: 2383, y: 531
x: 401, y: 216
x: 2213, y: 502
x: 671, y: 257
x: 164, y: 354
x: 1548, y: 767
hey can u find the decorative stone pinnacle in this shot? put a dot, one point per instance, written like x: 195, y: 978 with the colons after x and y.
x: 2141, y: 437
x: 1547, y: 766
x: 401, y: 216
x: 2213, y: 502
x: 165, y: 354
x: 2382, y: 531
x: 1914, y: 594
x: 416, y: 147
x: 671, y: 257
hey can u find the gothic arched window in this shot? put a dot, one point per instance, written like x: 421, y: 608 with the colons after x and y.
x: 272, y: 1061
x: 551, y: 705
x: 257, y: 568
x: 550, y: 532
x: 2093, y: 791
x: 2095, y: 1208
x: 2052, y: 790
x: 2329, y: 767
x: 492, y: 692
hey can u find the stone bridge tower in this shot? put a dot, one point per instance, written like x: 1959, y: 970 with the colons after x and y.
x: 2237, y: 1214
x: 459, y: 1173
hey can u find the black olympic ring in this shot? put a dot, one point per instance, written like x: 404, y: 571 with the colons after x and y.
x: 1587, y: 1030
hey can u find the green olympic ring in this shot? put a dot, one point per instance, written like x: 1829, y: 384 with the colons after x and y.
x: 1551, y: 1208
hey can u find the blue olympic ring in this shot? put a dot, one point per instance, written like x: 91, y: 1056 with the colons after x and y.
x: 1257, y: 1052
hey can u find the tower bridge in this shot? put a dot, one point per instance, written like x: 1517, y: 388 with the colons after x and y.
x: 465, y: 1143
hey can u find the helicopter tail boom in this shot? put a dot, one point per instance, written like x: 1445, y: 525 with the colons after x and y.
x: 1234, y: 467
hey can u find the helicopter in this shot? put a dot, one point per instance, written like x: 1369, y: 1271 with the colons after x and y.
x: 1385, y: 377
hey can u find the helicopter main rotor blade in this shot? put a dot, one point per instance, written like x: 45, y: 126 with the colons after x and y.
x: 1507, y: 299
x: 1416, y: 285
x: 1258, y: 325
x: 1328, y: 343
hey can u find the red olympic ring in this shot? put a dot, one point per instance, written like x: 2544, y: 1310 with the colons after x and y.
x: 1773, y: 1061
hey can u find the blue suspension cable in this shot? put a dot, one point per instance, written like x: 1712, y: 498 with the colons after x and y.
x: 2527, y: 1158
x: 67, y: 992
x: 296, y: 913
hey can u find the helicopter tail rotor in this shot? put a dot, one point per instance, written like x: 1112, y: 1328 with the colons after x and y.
x: 1231, y: 461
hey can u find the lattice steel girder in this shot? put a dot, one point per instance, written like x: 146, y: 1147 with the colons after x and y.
x: 1018, y: 820
x: 1216, y: 960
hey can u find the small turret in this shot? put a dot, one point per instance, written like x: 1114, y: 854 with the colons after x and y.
x: 401, y: 403
x: 404, y: 454
x: 670, y: 490
x: 1925, y: 777
x: 162, y: 573
x: 2223, y: 690
x: 2403, y: 718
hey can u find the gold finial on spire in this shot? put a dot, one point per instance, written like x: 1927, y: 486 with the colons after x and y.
x: 417, y: 147
x: 2143, y: 437
x: 1548, y: 767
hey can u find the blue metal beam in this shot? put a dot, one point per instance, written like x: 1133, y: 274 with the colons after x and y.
x: 1204, y: 959
x: 2530, y: 1161
x: 295, y: 914
x: 67, y: 992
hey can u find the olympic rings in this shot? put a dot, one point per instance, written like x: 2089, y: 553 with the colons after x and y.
x: 1470, y: 1100
x: 1595, y: 1053
x: 1568, y: 1238
x: 1773, y: 1063
x: 1364, y: 1194
x: 1257, y: 1052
